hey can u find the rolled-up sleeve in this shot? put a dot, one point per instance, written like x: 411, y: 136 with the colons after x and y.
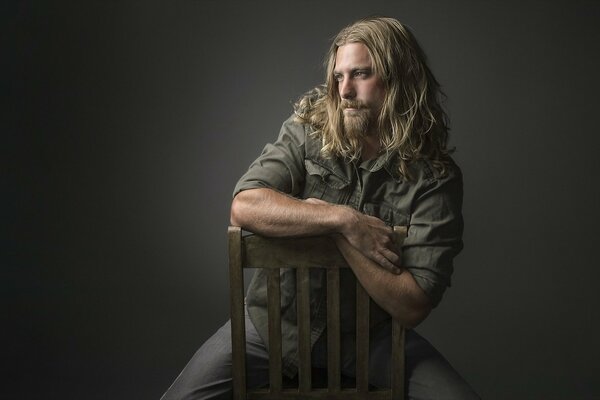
x: 281, y: 164
x: 435, y: 233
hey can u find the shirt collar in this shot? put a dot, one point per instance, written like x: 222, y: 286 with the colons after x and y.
x: 386, y: 161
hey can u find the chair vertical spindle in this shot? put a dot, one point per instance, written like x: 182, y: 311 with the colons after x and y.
x: 274, y: 312
x: 362, y: 339
x: 238, y: 329
x: 398, y: 334
x: 333, y: 330
x: 303, y: 312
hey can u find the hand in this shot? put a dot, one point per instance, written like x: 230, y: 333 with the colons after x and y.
x: 375, y: 240
x: 371, y: 237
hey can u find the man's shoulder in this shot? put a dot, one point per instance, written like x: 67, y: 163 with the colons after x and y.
x: 302, y: 133
x: 297, y: 123
x: 430, y: 171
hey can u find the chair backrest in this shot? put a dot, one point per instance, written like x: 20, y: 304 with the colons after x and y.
x: 302, y: 254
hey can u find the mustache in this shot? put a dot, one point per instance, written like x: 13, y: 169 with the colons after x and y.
x: 352, y: 104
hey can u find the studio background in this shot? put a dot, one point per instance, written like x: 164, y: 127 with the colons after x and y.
x: 127, y: 125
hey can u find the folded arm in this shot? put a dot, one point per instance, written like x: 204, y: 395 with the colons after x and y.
x: 365, y: 242
x: 271, y: 213
x: 397, y: 293
x: 395, y: 290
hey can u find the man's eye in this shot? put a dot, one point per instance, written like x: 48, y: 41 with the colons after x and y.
x: 338, y: 77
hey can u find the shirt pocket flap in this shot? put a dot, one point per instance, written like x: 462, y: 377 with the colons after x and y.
x: 386, y: 213
x: 327, y: 176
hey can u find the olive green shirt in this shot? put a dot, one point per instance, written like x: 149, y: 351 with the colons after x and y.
x: 429, y: 204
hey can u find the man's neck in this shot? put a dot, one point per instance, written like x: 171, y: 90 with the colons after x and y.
x: 370, y: 147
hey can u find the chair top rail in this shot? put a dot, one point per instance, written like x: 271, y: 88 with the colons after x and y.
x: 306, y: 252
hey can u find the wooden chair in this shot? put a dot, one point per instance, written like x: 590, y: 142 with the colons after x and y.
x: 302, y: 254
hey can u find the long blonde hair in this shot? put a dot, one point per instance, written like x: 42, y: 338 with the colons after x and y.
x: 411, y: 122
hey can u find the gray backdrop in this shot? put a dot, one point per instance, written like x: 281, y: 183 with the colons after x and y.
x: 127, y: 125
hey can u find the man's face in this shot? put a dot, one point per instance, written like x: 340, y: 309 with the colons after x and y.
x: 361, y: 91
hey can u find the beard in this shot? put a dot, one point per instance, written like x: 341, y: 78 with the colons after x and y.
x: 357, y: 123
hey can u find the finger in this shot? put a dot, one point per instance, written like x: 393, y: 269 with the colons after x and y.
x: 391, y: 256
x: 387, y: 265
x: 377, y: 222
x: 387, y: 242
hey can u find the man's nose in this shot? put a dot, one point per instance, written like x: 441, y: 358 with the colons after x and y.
x: 346, y: 89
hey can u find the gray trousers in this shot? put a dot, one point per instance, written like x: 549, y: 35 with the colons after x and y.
x: 208, y: 374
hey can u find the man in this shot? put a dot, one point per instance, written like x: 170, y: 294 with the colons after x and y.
x: 363, y: 153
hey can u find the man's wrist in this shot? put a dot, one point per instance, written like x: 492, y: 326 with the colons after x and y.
x: 344, y: 218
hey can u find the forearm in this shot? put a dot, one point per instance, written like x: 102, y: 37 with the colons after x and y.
x: 271, y: 213
x: 398, y: 294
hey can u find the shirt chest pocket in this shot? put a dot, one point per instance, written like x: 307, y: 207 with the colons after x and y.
x: 322, y: 183
x: 388, y: 214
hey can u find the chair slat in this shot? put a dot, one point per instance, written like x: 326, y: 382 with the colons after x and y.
x: 238, y: 334
x: 274, y: 310
x: 303, y: 311
x: 398, y: 336
x: 333, y: 330
x: 362, y: 339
